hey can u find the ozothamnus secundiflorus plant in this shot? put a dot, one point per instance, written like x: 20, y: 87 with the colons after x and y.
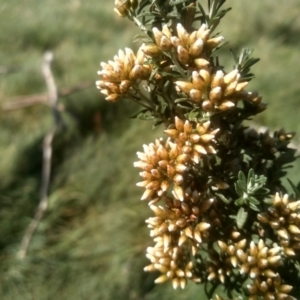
x: 221, y: 215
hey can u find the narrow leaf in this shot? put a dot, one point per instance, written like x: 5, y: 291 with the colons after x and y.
x: 241, y: 218
x: 296, y: 191
x: 223, y: 198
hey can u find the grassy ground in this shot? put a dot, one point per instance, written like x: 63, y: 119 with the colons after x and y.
x: 92, y: 241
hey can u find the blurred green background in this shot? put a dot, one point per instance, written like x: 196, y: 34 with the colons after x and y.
x: 92, y: 239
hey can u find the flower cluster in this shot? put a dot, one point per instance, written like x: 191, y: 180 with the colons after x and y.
x: 119, y: 75
x: 208, y: 86
x: 257, y: 261
x: 269, y: 289
x: 167, y: 164
x: 189, y: 47
x: 178, y: 226
x: 178, y: 229
x: 284, y: 219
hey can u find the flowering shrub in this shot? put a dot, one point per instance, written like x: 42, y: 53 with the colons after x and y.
x: 221, y: 215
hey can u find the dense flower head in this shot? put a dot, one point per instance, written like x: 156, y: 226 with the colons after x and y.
x: 284, y: 218
x: 210, y: 87
x: 216, y: 90
x: 119, y: 75
x: 164, y: 165
x: 178, y: 230
x: 269, y: 289
x: 189, y: 47
x: 174, y: 264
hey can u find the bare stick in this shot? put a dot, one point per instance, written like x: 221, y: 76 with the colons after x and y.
x: 42, y: 207
x: 29, y: 100
x: 25, y: 101
x: 47, y: 155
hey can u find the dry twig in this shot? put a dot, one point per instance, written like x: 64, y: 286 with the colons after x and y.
x: 47, y: 155
x: 29, y: 100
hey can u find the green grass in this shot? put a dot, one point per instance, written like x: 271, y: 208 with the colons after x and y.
x: 92, y: 240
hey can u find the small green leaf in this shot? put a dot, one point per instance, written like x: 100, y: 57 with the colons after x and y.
x: 172, y: 14
x: 138, y: 113
x: 144, y: 114
x: 253, y: 200
x: 262, y: 191
x: 178, y: 100
x: 251, y: 176
x: 239, y: 202
x: 253, y: 207
x: 223, y: 198
x: 176, y: 2
x: 193, y: 115
x: 295, y: 189
x: 242, y: 177
x: 238, y: 189
x: 241, y: 218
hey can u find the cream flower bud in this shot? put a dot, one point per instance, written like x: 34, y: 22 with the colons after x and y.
x: 178, y: 179
x: 200, y: 149
x: 187, y: 127
x: 202, y: 226
x: 157, y: 35
x: 231, y: 76
x: 184, y: 86
x: 214, y: 42
x: 183, y: 55
x: 179, y: 124
x: 226, y: 105
x: 166, y: 31
x: 176, y: 41
x: 182, y: 33
x: 151, y: 50
x: 195, y: 138
x: 124, y: 86
x: 113, y: 97
x: 113, y: 87
x: 230, y: 89
x: 240, y: 86
x: 175, y: 283
x: 294, y: 229
x: 198, y: 81
x: 161, y: 279
x: 178, y: 192
x: 205, y: 75
x: 142, y: 183
x: 203, y: 32
x: 215, y: 94
x: 172, y: 132
x: 192, y: 38
x: 201, y: 63
x: 207, y: 105
x: 195, y: 95
x: 222, y: 245
x: 165, y: 44
x: 196, y: 48
x: 147, y: 194
x: 164, y: 185
x: 136, y: 72
x: 217, y: 79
